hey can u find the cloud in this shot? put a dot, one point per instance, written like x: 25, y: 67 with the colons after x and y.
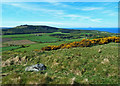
x: 91, y: 8
x: 58, y: 4
x: 49, y: 23
x: 110, y: 13
x: 60, y: 0
x: 81, y: 17
x: 113, y: 14
x: 35, y: 8
x: 65, y: 6
x: 53, y: 12
x: 96, y: 20
x: 62, y: 24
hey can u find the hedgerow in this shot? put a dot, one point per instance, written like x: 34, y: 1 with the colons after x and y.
x: 84, y: 43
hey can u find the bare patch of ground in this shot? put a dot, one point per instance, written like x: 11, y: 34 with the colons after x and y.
x: 6, y: 39
x: 19, y: 42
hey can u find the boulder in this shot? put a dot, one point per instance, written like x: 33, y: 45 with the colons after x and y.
x: 37, y: 67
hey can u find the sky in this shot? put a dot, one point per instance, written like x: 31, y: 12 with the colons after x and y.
x: 60, y: 14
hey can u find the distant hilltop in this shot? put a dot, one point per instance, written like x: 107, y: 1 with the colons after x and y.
x: 29, y: 29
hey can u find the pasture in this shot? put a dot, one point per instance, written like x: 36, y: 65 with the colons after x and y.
x: 38, y: 40
x: 35, y: 41
x: 85, y: 65
x: 79, y: 65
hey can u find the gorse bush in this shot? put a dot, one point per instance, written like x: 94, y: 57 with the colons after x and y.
x: 84, y: 43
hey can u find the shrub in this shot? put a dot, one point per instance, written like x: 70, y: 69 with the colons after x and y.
x: 84, y: 43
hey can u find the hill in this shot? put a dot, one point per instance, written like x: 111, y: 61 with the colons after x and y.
x: 64, y: 66
x: 77, y: 65
x: 29, y: 29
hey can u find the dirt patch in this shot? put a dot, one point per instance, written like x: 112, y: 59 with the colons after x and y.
x: 5, y: 39
x: 19, y: 42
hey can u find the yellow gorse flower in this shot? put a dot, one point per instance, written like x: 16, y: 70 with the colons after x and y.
x: 84, y: 43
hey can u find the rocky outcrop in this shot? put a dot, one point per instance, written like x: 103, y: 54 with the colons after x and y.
x: 37, y: 67
x: 14, y: 61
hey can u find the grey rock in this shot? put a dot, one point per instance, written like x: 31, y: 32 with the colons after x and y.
x: 37, y: 67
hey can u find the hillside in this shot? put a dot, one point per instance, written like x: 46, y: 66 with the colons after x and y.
x: 26, y: 45
x: 64, y: 66
x: 29, y: 29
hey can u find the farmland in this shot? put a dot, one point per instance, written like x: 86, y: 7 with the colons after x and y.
x: 37, y: 40
x: 79, y: 65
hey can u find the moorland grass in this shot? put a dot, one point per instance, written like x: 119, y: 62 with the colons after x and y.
x: 82, y: 65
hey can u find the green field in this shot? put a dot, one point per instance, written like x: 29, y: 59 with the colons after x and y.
x: 17, y: 35
x: 64, y: 66
x: 41, y: 41
x: 43, y: 38
x: 9, y: 48
x: 84, y: 65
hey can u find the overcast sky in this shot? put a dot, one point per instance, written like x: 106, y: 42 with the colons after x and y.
x: 60, y: 14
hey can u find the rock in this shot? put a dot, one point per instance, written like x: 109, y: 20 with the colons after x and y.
x: 99, y: 51
x: 105, y: 61
x: 24, y: 59
x: 4, y: 74
x: 37, y: 67
x: 13, y: 61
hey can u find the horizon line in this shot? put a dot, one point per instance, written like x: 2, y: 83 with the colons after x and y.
x: 60, y: 27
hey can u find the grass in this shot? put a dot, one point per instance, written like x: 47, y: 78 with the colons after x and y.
x: 10, y: 48
x: 73, y: 40
x: 57, y: 33
x: 17, y: 35
x: 37, y: 46
x: 44, y: 38
x: 64, y: 66
x: 40, y: 45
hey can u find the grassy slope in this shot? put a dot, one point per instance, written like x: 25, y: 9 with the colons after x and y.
x: 40, y: 45
x: 44, y: 38
x: 9, y: 48
x: 85, y: 65
x: 16, y: 35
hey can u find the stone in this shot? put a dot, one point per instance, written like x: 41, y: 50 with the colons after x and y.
x: 4, y: 74
x: 99, y: 51
x: 37, y: 67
